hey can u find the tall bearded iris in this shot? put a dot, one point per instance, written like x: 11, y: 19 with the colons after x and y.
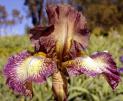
x: 59, y: 52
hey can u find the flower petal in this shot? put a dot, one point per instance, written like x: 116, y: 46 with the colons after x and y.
x: 12, y: 80
x: 66, y: 29
x: 70, y: 29
x: 42, y: 39
x: 120, y: 69
x: 23, y: 68
x: 98, y: 63
x: 23, y: 88
x: 121, y: 59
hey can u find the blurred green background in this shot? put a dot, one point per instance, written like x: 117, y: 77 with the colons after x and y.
x: 106, y: 27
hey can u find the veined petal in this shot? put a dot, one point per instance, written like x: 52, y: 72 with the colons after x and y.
x: 23, y: 68
x: 98, y: 63
x: 23, y: 88
x: 70, y: 29
x: 66, y: 31
x: 12, y: 80
x: 41, y: 38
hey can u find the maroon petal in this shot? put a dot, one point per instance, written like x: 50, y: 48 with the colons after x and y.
x: 66, y: 27
x: 69, y: 21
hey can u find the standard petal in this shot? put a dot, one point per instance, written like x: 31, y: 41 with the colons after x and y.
x: 23, y: 68
x: 66, y: 32
x: 98, y: 63
x: 42, y: 39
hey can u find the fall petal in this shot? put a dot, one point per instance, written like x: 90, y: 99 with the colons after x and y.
x: 98, y: 63
x: 23, y: 68
x: 24, y: 88
x: 12, y: 80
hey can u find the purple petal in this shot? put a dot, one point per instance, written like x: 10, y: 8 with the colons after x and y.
x: 47, y: 69
x: 120, y: 69
x: 12, y: 80
x: 23, y: 68
x: 98, y: 63
x: 121, y: 59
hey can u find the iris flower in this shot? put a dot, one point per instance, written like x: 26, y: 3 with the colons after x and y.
x: 59, y: 51
x: 121, y: 59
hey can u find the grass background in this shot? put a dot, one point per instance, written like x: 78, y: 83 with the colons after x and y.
x: 81, y: 88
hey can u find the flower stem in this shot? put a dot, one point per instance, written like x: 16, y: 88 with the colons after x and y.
x: 59, y: 86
